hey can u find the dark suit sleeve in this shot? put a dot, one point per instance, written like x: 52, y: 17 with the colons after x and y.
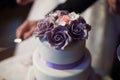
x: 75, y: 5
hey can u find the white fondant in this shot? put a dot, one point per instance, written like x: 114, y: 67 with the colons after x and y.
x: 43, y: 72
x: 72, y: 53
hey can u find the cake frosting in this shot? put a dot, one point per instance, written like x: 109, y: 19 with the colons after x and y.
x: 80, y: 72
x: 61, y: 52
x: 71, y: 53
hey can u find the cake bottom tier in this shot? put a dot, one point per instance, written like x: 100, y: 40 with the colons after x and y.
x: 80, y: 72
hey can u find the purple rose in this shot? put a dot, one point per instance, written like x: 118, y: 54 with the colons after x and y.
x: 77, y: 30
x: 43, y: 26
x: 58, y: 37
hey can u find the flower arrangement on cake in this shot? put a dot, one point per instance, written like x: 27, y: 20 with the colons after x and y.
x: 60, y: 28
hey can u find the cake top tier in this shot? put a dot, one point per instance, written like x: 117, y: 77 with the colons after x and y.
x: 60, y: 28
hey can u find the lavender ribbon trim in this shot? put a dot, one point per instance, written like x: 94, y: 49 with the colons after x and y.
x: 62, y: 66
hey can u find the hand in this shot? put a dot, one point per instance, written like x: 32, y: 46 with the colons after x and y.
x: 114, y: 6
x: 23, y: 2
x: 25, y: 30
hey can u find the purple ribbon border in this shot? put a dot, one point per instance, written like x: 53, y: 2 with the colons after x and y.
x: 62, y: 66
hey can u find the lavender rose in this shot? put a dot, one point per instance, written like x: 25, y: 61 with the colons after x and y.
x: 42, y: 27
x: 77, y: 30
x: 58, y: 37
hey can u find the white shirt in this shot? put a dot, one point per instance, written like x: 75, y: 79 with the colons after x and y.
x: 41, y: 7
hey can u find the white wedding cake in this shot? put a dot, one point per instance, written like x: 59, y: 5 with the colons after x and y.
x: 61, y: 53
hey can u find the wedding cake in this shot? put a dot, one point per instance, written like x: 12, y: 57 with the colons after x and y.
x: 61, y: 53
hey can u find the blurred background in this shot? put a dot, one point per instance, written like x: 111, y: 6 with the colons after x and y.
x: 11, y: 16
x: 103, y: 40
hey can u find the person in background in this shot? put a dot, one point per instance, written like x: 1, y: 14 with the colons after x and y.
x: 26, y: 29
